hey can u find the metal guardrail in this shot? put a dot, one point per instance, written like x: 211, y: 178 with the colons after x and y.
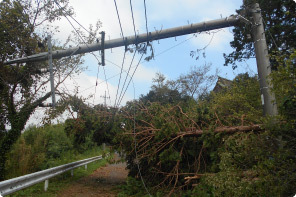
x: 15, y: 184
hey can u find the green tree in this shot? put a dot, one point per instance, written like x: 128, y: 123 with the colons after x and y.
x: 23, y: 86
x: 161, y: 92
x: 279, y: 18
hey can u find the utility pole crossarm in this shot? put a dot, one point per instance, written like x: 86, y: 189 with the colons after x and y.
x: 141, y: 38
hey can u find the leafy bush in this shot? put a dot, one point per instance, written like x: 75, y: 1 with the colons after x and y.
x: 42, y: 148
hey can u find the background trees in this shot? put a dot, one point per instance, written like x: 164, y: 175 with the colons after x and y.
x: 24, y: 24
x: 279, y: 19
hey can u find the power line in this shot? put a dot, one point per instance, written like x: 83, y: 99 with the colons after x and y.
x: 73, y: 18
x: 134, y: 52
x: 133, y: 18
x: 120, y: 78
x: 127, y: 75
x: 118, y: 18
x: 270, y: 34
x: 107, y: 83
x: 131, y: 78
x: 166, y: 50
x: 134, y: 125
x: 146, y: 19
x: 96, y: 85
x: 87, y: 47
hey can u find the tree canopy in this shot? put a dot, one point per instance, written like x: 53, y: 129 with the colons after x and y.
x: 24, y: 25
x: 279, y: 18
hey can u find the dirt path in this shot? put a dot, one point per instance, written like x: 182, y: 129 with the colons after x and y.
x: 101, y: 182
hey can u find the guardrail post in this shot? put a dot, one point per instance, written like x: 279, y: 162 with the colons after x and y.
x: 85, y: 166
x: 46, y: 185
x: 72, y: 172
x: 104, y: 146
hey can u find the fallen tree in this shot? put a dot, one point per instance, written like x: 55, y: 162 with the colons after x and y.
x: 170, y: 146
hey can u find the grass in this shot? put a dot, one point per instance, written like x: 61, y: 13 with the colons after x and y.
x: 64, y: 180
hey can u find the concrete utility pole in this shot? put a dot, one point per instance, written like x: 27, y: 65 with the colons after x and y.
x: 141, y: 38
x: 263, y: 63
x: 51, y: 71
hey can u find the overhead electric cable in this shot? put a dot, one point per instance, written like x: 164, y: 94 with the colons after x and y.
x: 118, y: 18
x: 84, y: 43
x: 107, y: 84
x: 127, y: 74
x: 133, y: 19
x: 119, y: 78
x: 146, y: 19
x: 270, y: 35
x: 131, y: 78
x: 119, y: 81
x: 73, y: 18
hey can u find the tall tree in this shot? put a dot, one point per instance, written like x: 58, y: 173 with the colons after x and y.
x: 195, y: 83
x: 23, y: 27
x: 279, y: 18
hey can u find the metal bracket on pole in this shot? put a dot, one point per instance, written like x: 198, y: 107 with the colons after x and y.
x: 103, y: 47
x: 51, y: 71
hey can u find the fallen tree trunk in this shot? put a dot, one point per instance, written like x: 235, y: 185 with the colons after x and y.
x: 192, y: 132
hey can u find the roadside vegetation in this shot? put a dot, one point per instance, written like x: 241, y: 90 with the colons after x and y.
x: 42, y: 148
x: 216, y: 145
x: 179, y: 139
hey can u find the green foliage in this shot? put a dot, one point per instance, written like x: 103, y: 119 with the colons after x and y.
x: 62, y: 181
x: 238, y: 104
x: 252, y: 165
x: 42, y: 148
x: 279, y: 19
x: 133, y: 187
x: 284, y: 85
x: 93, y: 125
x: 237, y: 164
x: 21, y: 29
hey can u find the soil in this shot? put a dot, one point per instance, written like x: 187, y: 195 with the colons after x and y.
x: 102, y: 182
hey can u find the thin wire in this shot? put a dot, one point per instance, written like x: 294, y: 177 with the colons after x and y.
x: 80, y: 35
x: 131, y: 78
x: 118, y: 18
x: 166, y: 50
x: 107, y: 84
x: 146, y: 19
x: 270, y: 34
x: 85, y: 44
x: 133, y: 55
x: 134, y: 52
x: 127, y: 76
x: 134, y: 129
x: 133, y: 19
x: 96, y: 85
x: 120, y: 78
x: 74, y: 19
